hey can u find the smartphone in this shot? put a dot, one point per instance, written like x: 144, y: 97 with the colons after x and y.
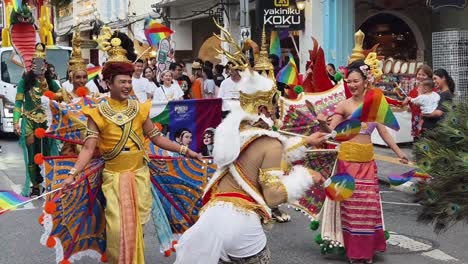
x: 39, y: 65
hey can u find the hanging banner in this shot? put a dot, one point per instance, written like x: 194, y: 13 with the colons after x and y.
x: 189, y: 122
x: 280, y: 15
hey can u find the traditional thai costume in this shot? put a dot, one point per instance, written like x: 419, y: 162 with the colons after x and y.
x: 126, y: 177
x: 28, y: 106
x: 361, y: 214
x: 246, y: 184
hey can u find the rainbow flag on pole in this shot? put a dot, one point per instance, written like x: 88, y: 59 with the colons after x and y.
x: 10, y: 200
x: 155, y: 32
x: 17, y: 4
x: 275, y: 45
x: 288, y: 75
x: 93, y: 72
x: 376, y: 109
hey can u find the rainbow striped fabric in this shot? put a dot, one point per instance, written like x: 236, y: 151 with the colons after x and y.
x: 155, y: 32
x: 93, y: 72
x: 275, y: 45
x: 17, y: 4
x: 9, y: 199
x: 288, y: 74
x: 376, y: 109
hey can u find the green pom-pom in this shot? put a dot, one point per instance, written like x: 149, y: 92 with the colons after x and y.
x: 318, y: 239
x: 298, y: 89
x: 387, y: 234
x: 314, y: 225
x: 274, y: 128
x: 338, y: 76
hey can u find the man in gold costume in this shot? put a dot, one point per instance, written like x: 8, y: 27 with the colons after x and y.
x: 249, y: 180
x: 117, y: 127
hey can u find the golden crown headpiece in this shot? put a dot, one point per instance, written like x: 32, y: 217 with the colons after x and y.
x: 358, y: 51
x: 255, y: 90
x: 263, y: 62
x: 76, y: 62
x: 39, y: 51
x: 112, y: 46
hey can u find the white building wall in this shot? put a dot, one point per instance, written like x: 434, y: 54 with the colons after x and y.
x: 313, y: 28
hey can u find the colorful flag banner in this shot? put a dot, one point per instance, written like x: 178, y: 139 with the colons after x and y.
x: 376, y: 109
x: 189, y: 122
x: 93, y: 72
x: 275, y: 45
x: 17, y: 4
x: 289, y: 75
x: 9, y: 200
x: 155, y: 32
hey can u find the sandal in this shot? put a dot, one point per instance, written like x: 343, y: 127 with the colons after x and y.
x: 354, y: 261
x: 36, y: 191
x: 279, y: 216
x: 368, y: 261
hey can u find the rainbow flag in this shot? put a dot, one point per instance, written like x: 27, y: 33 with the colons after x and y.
x: 275, y: 45
x: 376, y: 109
x: 9, y: 200
x: 17, y: 4
x: 93, y: 72
x: 288, y: 74
x: 155, y: 32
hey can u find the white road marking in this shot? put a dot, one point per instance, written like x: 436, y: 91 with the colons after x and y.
x: 413, y: 245
x: 439, y: 255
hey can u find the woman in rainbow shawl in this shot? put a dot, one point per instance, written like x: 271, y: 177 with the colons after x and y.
x: 361, y: 215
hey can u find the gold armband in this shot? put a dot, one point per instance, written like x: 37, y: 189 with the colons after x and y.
x: 19, y: 97
x: 154, y: 132
x: 183, y: 150
x: 268, y: 178
x: 91, y: 134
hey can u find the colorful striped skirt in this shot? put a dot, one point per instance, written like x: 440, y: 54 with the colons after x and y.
x: 361, y: 214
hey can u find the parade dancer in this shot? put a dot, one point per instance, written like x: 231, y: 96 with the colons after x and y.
x: 249, y: 179
x: 28, y: 106
x: 117, y: 127
x: 361, y: 215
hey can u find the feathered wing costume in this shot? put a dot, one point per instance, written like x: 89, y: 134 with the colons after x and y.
x: 443, y: 153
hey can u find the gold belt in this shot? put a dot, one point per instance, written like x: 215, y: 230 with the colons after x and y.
x: 36, y: 117
x: 126, y: 161
x: 356, y: 152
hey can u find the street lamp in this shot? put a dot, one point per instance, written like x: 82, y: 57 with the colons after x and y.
x: 301, y: 4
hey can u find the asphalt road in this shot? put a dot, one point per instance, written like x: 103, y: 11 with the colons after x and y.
x: 290, y: 243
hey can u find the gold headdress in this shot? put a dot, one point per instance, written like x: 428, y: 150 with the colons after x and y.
x: 254, y: 89
x: 39, y: 51
x: 114, y: 50
x: 358, y: 51
x: 263, y: 62
x: 76, y: 62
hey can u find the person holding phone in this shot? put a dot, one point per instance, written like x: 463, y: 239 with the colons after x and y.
x: 29, y: 111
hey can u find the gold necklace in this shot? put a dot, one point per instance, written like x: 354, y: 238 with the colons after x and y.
x: 119, y: 117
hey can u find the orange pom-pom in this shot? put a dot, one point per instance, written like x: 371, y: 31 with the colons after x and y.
x: 82, y: 91
x: 174, y: 243
x: 38, y: 159
x: 65, y: 261
x: 159, y: 126
x: 50, y: 242
x: 167, y: 253
x: 40, y: 132
x: 49, y: 94
x: 50, y: 207
x: 40, y: 220
x: 104, y: 257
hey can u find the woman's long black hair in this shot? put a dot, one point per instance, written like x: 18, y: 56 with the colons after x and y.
x: 442, y: 73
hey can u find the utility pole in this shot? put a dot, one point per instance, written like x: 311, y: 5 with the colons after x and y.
x: 245, y: 31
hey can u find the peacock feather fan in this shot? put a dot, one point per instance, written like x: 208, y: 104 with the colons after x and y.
x: 443, y: 154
